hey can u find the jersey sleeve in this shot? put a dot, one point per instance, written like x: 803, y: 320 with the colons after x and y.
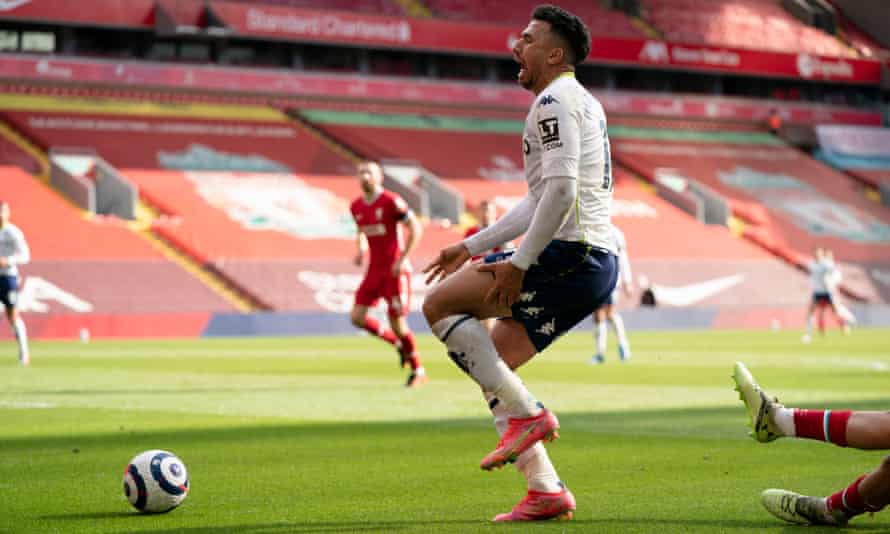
x: 559, y: 132
x: 399, y: 208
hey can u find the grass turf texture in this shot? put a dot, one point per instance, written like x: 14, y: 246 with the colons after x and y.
x: 318, y: 434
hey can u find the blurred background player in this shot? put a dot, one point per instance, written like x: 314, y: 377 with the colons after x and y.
x: 770, y: 420
x: 379, y: 216
x: 607, y: 311
x: 487, y: 215
x: 825, y: 278
x: 13, y: 252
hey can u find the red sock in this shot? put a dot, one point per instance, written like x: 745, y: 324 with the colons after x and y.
x: 373, y: 326
x: 409, y: 347
x: 823, y: 425
x: 849, y: 501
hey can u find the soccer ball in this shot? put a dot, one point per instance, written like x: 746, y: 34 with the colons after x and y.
x: 156, y: 481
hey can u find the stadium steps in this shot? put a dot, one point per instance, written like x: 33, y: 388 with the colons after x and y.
x: 415, y: 8
x: 310, y: 129
x: 26, y: 146
x: 241, y: 300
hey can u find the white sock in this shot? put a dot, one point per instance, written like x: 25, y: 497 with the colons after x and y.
x: 470, y: 347
x: 534, y: 463
x: 21, y: 335
x: 784, y: 419
x: 811, y: 320
x: 618, y: 325
x: 601, y: 333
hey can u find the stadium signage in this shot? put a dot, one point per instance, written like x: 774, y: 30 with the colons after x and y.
x: 317, y: 25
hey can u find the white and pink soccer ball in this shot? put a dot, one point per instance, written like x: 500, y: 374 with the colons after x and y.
x: 156, y: 481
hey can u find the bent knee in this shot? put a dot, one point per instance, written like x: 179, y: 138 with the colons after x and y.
x: 357, y: 319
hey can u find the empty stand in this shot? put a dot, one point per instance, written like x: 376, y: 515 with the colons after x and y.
x: 371, y: 7
x: 792, y: 202
x: 451, y: 147
x: 173, y: 136
x: 758, y: 24
x: 261, y: 230
x: 97, y: 260
x: 600, y: 21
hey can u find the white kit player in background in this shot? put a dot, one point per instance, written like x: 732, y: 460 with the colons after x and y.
x: 13, y: 252
x: 825, y: 279
x: 607, y: 311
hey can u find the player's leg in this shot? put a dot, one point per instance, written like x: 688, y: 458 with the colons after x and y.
x: 600, y: 335
x: 453, y: 309
x: 868, y: 493
x: 547, y: 496
x: 366, y: 296
x: 397, y: 294
x: 810, y: 321
x: 618, y: 325
x: 9, y: 298
x: 770, y: 420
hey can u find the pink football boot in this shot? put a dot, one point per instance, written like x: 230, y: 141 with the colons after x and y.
x: 520, y: 435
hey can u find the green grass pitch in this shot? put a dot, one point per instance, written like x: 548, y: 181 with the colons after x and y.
x: 319, y: 435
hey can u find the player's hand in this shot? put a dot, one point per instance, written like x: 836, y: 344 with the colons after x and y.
x: 628, y: 290
x: 507, y: 283
x: 4, y: 261
x: 450, y: 259
x: 398, y: 267
x: 359, y: 259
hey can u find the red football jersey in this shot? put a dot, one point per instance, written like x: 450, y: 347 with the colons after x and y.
x: 379, y: 221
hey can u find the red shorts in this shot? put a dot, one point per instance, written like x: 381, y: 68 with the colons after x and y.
x: 395, y: 290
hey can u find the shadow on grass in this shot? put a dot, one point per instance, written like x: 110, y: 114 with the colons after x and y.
x: 464, y: 526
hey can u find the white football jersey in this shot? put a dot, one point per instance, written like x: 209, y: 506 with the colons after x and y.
x: 820, y: 271
x: 565, y: 135
x: 14, y: 248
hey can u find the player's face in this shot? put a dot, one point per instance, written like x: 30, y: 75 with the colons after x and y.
x: 531, y: 51
x: 369, y: 179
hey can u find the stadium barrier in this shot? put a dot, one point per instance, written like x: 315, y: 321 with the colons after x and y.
x: 108, y: 192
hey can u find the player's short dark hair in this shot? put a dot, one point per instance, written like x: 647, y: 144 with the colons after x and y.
x: 569, y: 27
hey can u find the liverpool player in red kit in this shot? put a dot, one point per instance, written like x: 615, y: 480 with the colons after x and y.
x: 378, y: 214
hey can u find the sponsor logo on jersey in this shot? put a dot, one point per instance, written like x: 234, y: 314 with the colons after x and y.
x: 549, y: 129
x: 372, y: 230
x: 546, y: 100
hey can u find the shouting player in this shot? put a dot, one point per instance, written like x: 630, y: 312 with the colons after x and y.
x: 13, y: 252
x: 858, y: 429
x: 379, y: 215
x: 563, y: 270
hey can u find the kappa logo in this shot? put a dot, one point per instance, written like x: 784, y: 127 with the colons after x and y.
x: 532, y: 311
x: 546, y: 100
x: 460, y: 359
x: 527, y: 296
x: 549, y: 129
x: 547, y: 328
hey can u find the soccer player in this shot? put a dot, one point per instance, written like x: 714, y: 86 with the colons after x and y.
x: 824, y: 279
x: 770, y: 420
x: 607, y: 311
x: 13, y: 252
x: 379, y: 215
x: 487, y: 216
x: 564, y: 269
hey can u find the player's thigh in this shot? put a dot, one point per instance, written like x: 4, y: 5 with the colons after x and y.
x: 462, y: 292
x: 358, y: 314
x: 512, y: 342
x: 396, y: 292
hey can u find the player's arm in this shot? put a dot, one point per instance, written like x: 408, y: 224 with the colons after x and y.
x: 624, y: 271
x: 415, y: 232
x: 22, y: 254
x: 512, y: 225
x: 361, y: 243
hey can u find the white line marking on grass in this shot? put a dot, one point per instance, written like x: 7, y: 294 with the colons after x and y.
x: 26, y: 404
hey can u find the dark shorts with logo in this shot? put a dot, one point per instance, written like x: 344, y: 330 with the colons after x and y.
x: 9, y: 290
x: 569, y: 281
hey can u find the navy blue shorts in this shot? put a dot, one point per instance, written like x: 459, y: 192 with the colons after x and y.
x: 821, y: 298
x: 9, y: 290
x: 569, y: 281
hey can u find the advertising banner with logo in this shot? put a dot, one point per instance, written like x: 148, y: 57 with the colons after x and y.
x: 284, y: 83
x: 124, y: 13
x: 661, y: 54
